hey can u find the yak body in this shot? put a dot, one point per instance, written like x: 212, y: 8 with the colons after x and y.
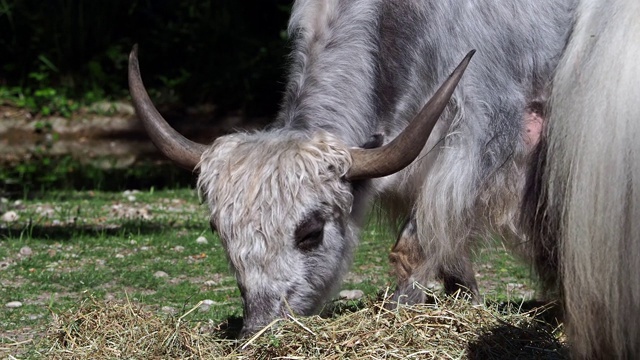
x: 362, y: 69
x: 537, y: 144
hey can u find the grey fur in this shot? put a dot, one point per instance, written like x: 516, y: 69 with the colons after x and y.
x: 366, y: 67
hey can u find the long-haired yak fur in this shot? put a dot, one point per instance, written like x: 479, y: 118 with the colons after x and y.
x: 539, y: 144
x: 584, y: 210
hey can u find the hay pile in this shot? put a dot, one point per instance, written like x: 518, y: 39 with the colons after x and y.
x: 449, y: 328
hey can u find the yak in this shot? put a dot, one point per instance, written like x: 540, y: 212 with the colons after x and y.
x: 536, y: 143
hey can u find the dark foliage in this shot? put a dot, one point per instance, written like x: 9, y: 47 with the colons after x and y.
x: 225, y: 52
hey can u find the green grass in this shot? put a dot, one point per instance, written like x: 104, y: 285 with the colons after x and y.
x: 110, y: 245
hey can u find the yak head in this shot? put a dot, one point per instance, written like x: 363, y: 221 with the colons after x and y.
x: 282, y: 201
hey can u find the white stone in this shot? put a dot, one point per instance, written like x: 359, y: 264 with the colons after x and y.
x: 178, y: 248
x: 10, y: 216
x: 26, y: 251
x: 119, y: 256
x: 169, y: 310
x: 160, y: 274
x: 351, y: 294
x: 202, y: 240
x: 13, y: 304
x: 131, y: 198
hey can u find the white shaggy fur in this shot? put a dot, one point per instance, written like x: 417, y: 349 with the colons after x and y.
x: 593, y: 179
x: 259, y: 187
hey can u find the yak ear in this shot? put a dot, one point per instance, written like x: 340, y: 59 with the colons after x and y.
x: 375, y: 141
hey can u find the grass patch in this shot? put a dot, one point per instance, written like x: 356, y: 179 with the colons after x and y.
x: 140, y: 248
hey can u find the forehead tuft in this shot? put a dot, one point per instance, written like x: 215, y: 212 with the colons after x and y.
x: 256, y: 183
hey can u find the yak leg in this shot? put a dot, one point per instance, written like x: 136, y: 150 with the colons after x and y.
x: 458, y: 275
x: 410, y: 265
x: 406, y: 257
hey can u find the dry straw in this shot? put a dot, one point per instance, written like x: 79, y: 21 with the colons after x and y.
x: 449, y: 328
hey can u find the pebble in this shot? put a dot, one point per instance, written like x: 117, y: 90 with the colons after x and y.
x: 206, y: 305
x: 178, y: 248
x: 131, y: 198
x: 160, y: 274
x: 13, y: 304
x: 210, y: 283
x: 26, y: 251
x: 202, y: 240
x: 169, y: 310
x: 351, y: 294
x: 119, y: 256
x: 514, y: 286
x: 10, y: 216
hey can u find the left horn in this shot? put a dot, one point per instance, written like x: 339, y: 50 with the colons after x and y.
x: 401, y: 151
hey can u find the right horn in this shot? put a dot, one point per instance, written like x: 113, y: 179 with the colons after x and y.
x: 401, y: 151
x: 171, y: 143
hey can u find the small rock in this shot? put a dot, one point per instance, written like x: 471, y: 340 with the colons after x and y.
x: 202, y: 240
x: 210, y: 283
x: 17, y: 203
x: 206, y: 305
x: 169, y: 310
x: 514, y: 286
x: 133, y: 242
x: 119, y: 256
x: 26, y: 251
x: 13, y: 304
x: 10, y: 216
x: 178, y: 248
x: 351, y: 294
x: 144, y: 248
x: 160, y: 274
x: 131, y: 198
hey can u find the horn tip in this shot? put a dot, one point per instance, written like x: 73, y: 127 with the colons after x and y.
x: 133, y: 55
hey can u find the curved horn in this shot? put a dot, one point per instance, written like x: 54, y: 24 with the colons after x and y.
x: 401, y: 151
x: 171, y: 143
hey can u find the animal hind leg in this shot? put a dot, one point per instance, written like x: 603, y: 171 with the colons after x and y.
x: 458, y: 275
x: 406, y: 257
x: 411, y: 265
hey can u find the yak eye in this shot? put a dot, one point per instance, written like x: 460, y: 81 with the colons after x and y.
x: 310, y: 232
